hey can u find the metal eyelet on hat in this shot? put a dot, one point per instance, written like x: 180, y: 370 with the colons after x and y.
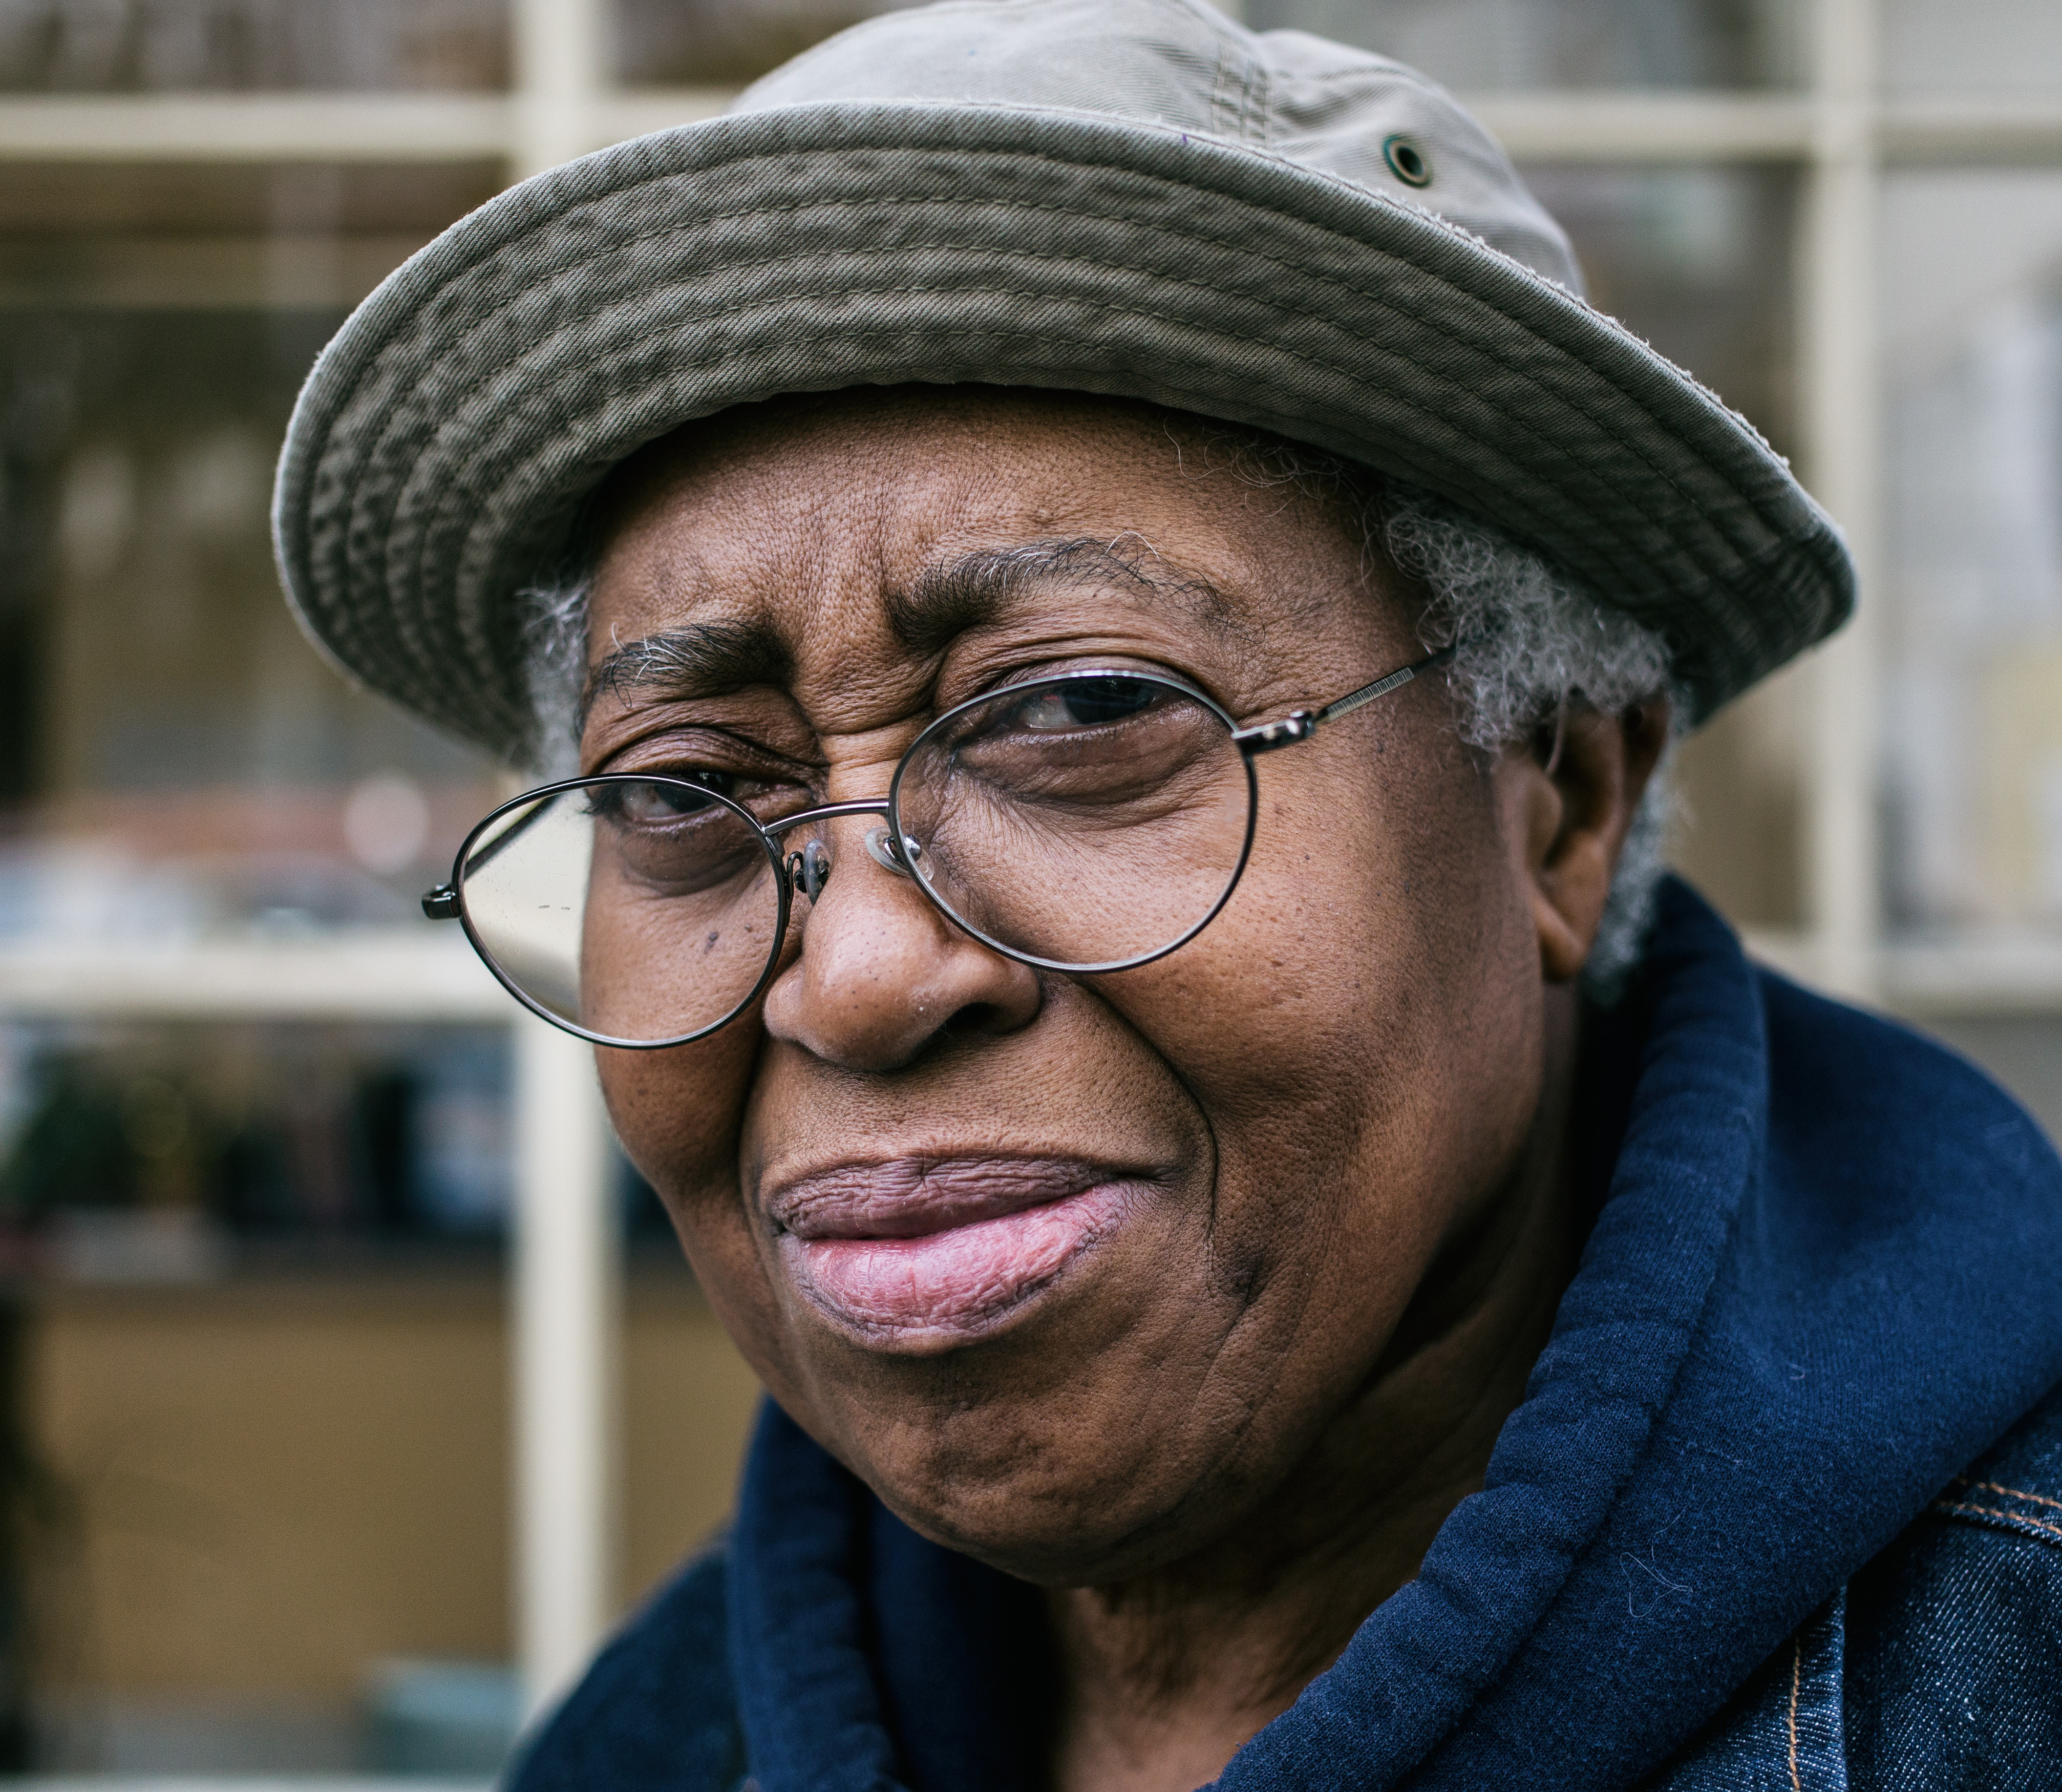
x: 1407, y: 160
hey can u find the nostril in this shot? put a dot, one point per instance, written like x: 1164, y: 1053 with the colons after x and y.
x: 977, y: 1018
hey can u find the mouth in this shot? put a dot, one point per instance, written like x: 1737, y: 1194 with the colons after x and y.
x: 943, y: 1249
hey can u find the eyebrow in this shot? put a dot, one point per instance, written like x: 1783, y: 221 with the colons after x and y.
x: 697, y: 659
x: 701, y: 660
x: 947, y: 600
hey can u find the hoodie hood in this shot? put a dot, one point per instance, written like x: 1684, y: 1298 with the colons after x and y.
x: 1822, y: 1280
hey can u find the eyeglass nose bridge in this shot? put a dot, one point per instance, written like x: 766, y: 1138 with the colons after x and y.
x: 809, y: 869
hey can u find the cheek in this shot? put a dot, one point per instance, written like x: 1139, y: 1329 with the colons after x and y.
x: 678, y: 1111
x: 1355, y: 1024
x: 679, y: 1114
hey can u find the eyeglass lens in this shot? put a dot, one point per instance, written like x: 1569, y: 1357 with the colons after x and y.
x: 1085, y: 823
x: 638, y: 910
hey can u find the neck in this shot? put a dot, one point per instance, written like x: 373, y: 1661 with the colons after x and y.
x: 1164, y: 1676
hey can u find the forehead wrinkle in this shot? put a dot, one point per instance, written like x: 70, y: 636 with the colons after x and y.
x: 695, y: 659
x: 946, y: 599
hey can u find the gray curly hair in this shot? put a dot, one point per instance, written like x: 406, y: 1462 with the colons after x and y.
x: 1531, y: 645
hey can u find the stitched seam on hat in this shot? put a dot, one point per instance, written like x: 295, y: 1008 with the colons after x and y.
x: 1335, y: 183
x: 448, y: 401
x: 638, y: 177
x: 1181, y: 235
x: 1221, y: 112
x: 1259, y: 82
x: 1302, y: 270
x: 1502, y: 362
x: 445, y: 400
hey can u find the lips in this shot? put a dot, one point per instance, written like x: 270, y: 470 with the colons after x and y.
x: 942, y: 1249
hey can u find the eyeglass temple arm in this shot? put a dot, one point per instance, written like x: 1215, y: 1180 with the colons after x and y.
x: 1300, y: 724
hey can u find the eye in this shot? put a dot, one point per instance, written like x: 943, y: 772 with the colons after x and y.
x: 655, y: 802
x: 1085, y: 703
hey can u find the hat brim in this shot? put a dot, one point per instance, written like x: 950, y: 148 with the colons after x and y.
x: 446, y: 437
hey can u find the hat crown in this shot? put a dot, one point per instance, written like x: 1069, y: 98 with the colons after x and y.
x: 1183, y: 66
x: 1134, y: 197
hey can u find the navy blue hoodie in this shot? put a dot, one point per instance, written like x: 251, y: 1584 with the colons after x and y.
x: 1824, y: 1275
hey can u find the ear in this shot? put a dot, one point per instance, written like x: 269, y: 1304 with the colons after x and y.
x: 1582, y: 778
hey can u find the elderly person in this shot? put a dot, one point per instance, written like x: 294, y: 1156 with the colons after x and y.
x: 1108, y: 624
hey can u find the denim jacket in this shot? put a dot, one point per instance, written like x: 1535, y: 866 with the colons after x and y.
x: 1937, y: 1666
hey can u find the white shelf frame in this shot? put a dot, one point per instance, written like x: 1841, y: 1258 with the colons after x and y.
x: 1839, y: 132
x: 410, y: 975
x: 1569, y: 125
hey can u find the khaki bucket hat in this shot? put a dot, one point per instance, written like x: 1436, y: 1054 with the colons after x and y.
x: 1137, y: 197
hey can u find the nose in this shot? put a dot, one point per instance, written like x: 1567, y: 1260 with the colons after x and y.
x: 882, y: 973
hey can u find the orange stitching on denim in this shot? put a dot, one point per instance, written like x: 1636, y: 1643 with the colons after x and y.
x: 1999, y: 1512
x: 1796, y: 1686
x: 2020, y: 1493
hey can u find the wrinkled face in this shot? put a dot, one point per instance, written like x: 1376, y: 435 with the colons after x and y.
x: 1072, y: 1270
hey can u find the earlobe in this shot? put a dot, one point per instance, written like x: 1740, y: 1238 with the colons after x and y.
x: 1568, y: 905
x: 1590, y: 787
x: 1562, y: 950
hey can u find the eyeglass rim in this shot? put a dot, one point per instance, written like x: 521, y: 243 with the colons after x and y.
x: 558, y: 788
x: 769, y: 839
x: 1181, y: 688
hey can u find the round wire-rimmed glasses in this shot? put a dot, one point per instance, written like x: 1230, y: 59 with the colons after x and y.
x: 1085, y: 823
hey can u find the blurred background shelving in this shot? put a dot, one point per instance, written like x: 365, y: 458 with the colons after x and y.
x: 339, y: 1359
